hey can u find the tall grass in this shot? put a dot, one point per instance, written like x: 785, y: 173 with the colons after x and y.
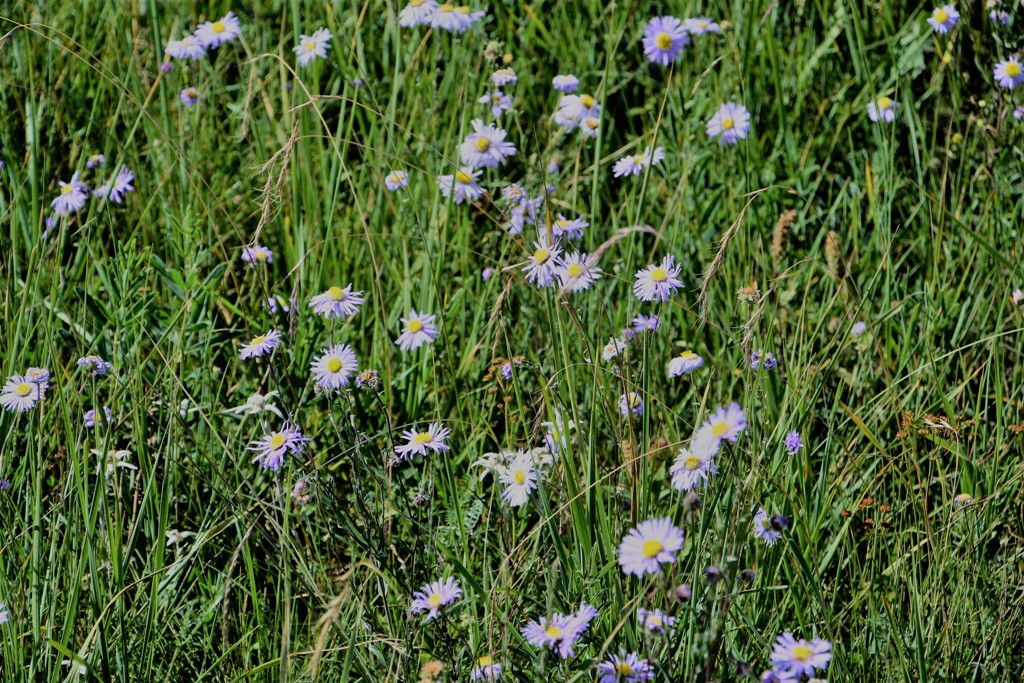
x: 199, y: 565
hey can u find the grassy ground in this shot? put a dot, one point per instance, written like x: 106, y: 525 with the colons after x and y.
x: 199, y: 565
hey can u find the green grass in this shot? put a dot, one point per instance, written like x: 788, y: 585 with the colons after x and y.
x: 898, y: 421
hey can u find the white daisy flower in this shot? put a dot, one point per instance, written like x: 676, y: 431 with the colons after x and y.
x: 311, y: 47
x: 335, y: 367
x: 486, y: 147
x: 418, y: 329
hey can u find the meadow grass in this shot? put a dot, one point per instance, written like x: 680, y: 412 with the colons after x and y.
x: 201, y: 565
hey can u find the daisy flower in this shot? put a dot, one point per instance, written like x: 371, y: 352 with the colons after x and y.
x: 92, y: 418
x: 95, y: 160
x: 725, y: 424
x: 416, y: 13
x: 1008, y: 73
x: 486, y: 147
x: 664, y: 40
x: 260, y: 346
x: 271, y: 449
x: 763, y: 529
x: 189, y: 47
x: 454, y: 18
x: 519, y: 478
x: 630, y: 403
x: 462, y: 186
x: 257, y: 254
x: 432, y: 597
x: 658, y: 282
x: 698, y: 26
x: 214, y: 33
x: 759, y: 358
x: 486, y: 670
x: 503, y: 77
x: 883, y: 110
x: 630, y: 668
x: 858, y: 328
x: 566, y: 83
x: 590, y: 126
x: 648, y: 546
x: 499, y: 102
x: 98, y: 365
x: 72, y: 196
x: 337, y: 302
x: 557, y: 433
x: 570, y: 229
x: 335, y: 367
x: 574, y: 109
x: 396, y: 180
x: 560, y: 632
x: 730, y: 124
x: 963, y: 499
x: 19, y: 393
x: 685, y: 362
x: 612, y: 349
x: 418, y: 329
x: 543, y: 264
x: 646, y: 323
x: 118, y: 187
x: 794, y: 444
x: 655, y: 620
x: 694, y: 466
x: 40, y: 377
x: 311, y: 47
x: 799, y: 657
x: 418, y: 443
x: 576, y: 274
x: 943, y: 19
x: 636, y: 163
x: 189, y: 96
x: 999, y: 16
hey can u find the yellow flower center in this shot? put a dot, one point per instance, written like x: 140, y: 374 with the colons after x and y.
x: 414, y: 326
x: 623, y: 668
x: 520, y: 477
x: 688, y: 355
x: 484, y: 661
x: 562, y: 223
x: 654, y: 619
x: 310, y: 45
x: 261, y: 255
x: 541, y: 256
x: 587, y: 101
x: 652, y: 548
x: 638, y: 158
x: 422, y: 438
x: 416, y: 3
x: 463, y: 177
x: 67, y: 189
x: 941, y: 16
x: 333, y: 365
x: 592, y: 123
x: 434, y: 600
x: 728, y: 124
x: 802, y: 653
x: 464, y: 9
x: 277, y: 440
x: 1012, y: 69
x: 553, y: 632
x: 691, y: 463
x: 482, y: 144
x: 22, y: 390
x: 218, y: 27
x: 702, y: 24
x: 663, y: 41
x: 884, y: 103
x: 335, y: 293
x: 256, y: 341
x: 719, y: 428
x: 446, y: 8
x: 659, y: 274
x: 575, y: 270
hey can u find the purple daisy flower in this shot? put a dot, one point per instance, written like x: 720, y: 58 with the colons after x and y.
x: 730, y: 124
x: 664, y: 40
